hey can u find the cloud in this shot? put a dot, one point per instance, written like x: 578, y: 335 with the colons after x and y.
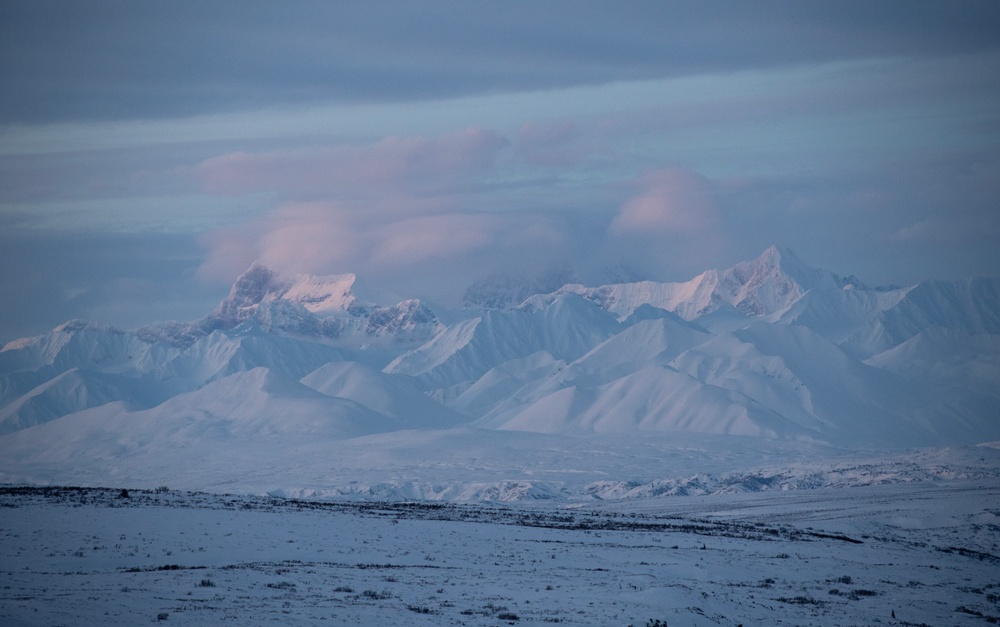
x: 671, y: 201
x: 400, y: 209
x: 112, y: 60
x: 298, y: 237
x: 295, y: 237
x: 669, y: 228
x: 394, y: 205
x: 424, y: 208
x: 442, y: 236
x: 922, y: 230
x: 550, y: 144
x: 437, y: 244
x: 393, y: 164
x: 862, y: 134
x: 228, y: 252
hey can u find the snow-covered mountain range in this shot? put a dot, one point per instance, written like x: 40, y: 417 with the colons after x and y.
x: 769, y: 348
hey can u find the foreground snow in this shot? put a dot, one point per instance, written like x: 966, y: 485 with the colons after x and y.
x: 927, y: 553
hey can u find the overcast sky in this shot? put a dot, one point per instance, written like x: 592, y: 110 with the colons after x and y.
x: 151, y: 151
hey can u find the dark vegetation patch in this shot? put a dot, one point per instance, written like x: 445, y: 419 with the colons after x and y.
x: 420, y: 609
x: 801, y: 600
x: 993, y: 620
x: 281, y: 585
x: 153, y: 569
x: 979, y: 555
x: 854, y: 595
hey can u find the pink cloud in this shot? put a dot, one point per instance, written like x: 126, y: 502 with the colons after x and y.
x: 403, y: 208
x: 303, y: 236
x: 393, y: 163
x: 296, y: 237
x: 229, y: 251
x: 426, y: 237
x: 332, y: 237
x: 671, y: 201
x: 386, y: 206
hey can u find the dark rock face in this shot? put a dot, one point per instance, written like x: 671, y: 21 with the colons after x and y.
x: 246, y: 294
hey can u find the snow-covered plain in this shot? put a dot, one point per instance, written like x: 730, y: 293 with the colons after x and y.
x: 900, y: 554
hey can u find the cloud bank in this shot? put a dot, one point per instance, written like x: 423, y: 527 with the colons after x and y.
x: 407, y: 209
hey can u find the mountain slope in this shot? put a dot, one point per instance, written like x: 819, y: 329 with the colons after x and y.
x: 653, y: 399
x: 970, y: 306
x: 251, y: 412
x: 789, y: 381
x: 390, y: 395
x: 566, y: 328
x: 863, y: 404
x: 69, y: 392
x: 653, y: 341
x: 955, y: 358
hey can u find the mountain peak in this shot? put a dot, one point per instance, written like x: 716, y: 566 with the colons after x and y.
x: 763, y: 285
x: 304, y: 305
x: 322, y: 294
x: 246, y: 294
x: 804, y: 274
x: 775, y: 258
x: 259, y: 284
x: 771, y: 255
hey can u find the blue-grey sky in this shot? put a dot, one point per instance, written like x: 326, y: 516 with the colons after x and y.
x: 151, y: 151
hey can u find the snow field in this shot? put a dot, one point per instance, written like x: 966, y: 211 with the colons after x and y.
x: 832, y: 557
